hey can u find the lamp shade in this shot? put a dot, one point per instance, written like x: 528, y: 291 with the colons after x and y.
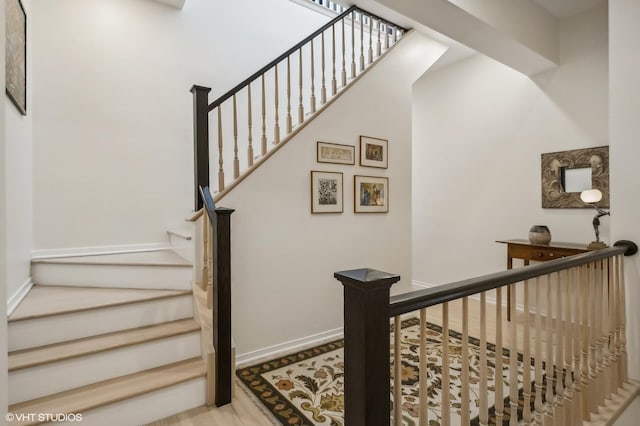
x: 591, y: 196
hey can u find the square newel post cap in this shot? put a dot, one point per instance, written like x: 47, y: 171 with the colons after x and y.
x: 366, y: 278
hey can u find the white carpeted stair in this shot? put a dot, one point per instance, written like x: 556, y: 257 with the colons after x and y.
x: 123, y: 356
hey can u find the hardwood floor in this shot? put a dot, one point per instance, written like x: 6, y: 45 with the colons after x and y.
x: 241, y: 412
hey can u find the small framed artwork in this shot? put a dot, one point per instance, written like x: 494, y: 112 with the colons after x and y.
x: 373, y: 152
x: 326, y: 192
x: 16, y: 55
x: 336, y: 153
x: 371, y: 194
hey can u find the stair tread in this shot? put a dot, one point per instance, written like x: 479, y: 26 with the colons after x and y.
x: 60, y: 351
x: 46, y: 300
x: 110, y: 391
x: 147, y: 258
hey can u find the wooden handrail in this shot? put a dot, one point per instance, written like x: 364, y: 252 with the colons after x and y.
x: 292, y: 50
x: 414, y: 300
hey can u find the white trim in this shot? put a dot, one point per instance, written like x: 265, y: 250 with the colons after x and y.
x: 419, y: 285
x: 93, y: 251
x: 14, y: 300
x: 286, y: 348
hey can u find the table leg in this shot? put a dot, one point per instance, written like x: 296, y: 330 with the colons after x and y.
x: 509, y: 266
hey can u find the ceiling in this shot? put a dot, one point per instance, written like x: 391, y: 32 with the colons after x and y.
x: 566, y: 8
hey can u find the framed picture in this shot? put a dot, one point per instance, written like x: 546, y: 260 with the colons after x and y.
x: 336, y: 153
x: 373, y: 152
x: 16, y: 55
x: 326, y: 192
x: 371, y: 194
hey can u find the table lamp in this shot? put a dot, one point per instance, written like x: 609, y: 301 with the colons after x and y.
x: 590, y: 197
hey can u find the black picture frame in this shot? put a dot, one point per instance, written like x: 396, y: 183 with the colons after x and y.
x: 16, y: 55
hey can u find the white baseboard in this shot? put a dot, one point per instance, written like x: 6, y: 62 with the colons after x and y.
x: 286, y: 348
x: 92, y: 251
x: 14, y: 300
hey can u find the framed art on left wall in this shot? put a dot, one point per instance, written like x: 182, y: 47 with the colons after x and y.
x: 16, y: 54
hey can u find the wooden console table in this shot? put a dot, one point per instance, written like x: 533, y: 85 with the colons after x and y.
x: 527, y: 251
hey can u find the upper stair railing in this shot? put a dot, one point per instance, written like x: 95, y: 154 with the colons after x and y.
x: 267, y: 109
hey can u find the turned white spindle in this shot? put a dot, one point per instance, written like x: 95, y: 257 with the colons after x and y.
x: 276, y: 127
x: 353, y: 44
x: 263, y: 140
x: 617, y: 309
x: 334, y: 82
x: 559, y: 352
x: 568, y: 349
x: 361, y: 42
x: 593, y: 360
x: 513, y: 358
x: 386, y: 36
x: 249, y: 124
x: 548, y: 413
x: 423, y: 419
x: 204, y: 283
x: 236, y: 160
x: 323, y: 89
x: 313, y: 83
x: 220, y: 159
x: 379, y: 45
x: 289, y: 119
x: 577, y: 345
x: 585, y: 272
x: 526, y: 356
x: 465, y: 396
x: 483, y: 415
x: 613, y: 325
x: 624, y: 376
x: 606, y: 333
x: 370, y: 51
x: 599, y: 334
x: 397, y: 371
x: 209, y: 263
x: 499, y: 386
x: 538, y: 354
x: 300, y: 89
x: 344, y: 52
x: 445, y: 414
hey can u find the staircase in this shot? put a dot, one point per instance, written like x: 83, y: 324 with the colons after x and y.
x: 110, y: 338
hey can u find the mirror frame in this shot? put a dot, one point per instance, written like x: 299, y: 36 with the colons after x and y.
x: 553, y: 195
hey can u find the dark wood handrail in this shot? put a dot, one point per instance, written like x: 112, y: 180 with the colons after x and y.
x: 279, y: 59
x: 415, y: 300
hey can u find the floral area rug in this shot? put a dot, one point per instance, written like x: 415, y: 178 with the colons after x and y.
x: 307, y: 387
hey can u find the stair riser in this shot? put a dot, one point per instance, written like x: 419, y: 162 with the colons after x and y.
x: 59, y: 328
x: 116, y: 276
x: 147, y: 407
x: 31, y: 383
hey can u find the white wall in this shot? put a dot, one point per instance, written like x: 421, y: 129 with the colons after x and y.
x: 624, y: 65
x: 113, y: 113
x: 19, y: 186
x: 479, y: 130
x: 4, y: 398
x: 284, y: 257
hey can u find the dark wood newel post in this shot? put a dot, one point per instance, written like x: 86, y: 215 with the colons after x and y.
x: 366, y: 346
x: 222, y: 305
x: 200, y: 140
